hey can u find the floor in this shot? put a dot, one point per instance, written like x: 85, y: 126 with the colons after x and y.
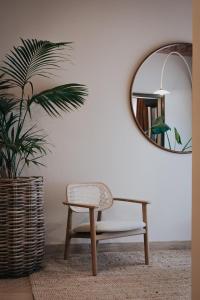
x: 15, y: 289
x: 20, y: 289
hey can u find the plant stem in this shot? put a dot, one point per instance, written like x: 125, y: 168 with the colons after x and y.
x: 175, y: 145
x: 185, y: 147
x: 20, y: 107
x: 17, y: 165
x: 25, y: 157
x: 168, y: 141
x: 21, y: 120
x: 188, y: 147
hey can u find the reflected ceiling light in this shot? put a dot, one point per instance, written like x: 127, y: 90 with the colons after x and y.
x: 162, y: 91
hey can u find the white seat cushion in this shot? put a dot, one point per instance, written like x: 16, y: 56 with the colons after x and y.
x: 110, y: 226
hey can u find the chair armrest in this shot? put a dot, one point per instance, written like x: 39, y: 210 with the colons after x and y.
x: 131, y: 200
x: 80, y: 205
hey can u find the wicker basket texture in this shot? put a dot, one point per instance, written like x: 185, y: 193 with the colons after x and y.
x: 22, y: 233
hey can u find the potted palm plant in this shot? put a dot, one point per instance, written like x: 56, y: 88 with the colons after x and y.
x: 23, y: 145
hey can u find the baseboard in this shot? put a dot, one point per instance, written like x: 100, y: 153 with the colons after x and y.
x: 116, y: 247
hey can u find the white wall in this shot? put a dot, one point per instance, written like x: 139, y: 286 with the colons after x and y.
x: 100, y: 141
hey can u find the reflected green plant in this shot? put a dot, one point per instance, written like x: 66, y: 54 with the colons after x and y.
x: 160, y: 127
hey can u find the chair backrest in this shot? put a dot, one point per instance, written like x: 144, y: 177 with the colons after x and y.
x: 89, y: 193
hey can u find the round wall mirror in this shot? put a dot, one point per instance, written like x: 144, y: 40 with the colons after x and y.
x: 161, y: 97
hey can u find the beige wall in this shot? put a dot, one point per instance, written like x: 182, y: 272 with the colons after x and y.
x: 101, y: 141
x: 196, y: 156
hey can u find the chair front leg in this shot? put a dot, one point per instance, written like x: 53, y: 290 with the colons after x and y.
x: 146, y: 241
x: 99, y: 217
x: 68, y: 234
x: 146, y: 248
x: 93, y: 242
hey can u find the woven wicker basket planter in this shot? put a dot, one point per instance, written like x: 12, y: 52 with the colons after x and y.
x: 21, y: 226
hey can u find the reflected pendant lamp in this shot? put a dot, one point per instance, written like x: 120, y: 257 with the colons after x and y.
x: 161, y: 91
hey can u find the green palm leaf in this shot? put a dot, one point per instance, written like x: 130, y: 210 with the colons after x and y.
x: 7, y: 105
x: 177, y: 136
x: 61, y: 98
x: 159, y: 126
x: 21, y: 146
x: 33, y: 57
x: 4, y: 85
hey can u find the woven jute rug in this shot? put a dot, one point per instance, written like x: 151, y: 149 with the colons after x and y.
x: 121, y: 275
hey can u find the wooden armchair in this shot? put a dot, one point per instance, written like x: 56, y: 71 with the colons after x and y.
x: 96, y: 197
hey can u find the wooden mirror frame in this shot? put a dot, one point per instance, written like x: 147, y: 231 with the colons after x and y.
x: 131, y: 93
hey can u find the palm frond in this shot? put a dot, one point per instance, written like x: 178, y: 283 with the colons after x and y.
x: 7, y: 105
x: 19, y: 148
x: 30, y: 59
x: 61, y: 98
x: 4, y: 86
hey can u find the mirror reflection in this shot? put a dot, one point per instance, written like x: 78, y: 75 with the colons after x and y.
x: 161, y: 97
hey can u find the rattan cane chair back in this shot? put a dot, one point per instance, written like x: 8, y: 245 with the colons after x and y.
x: 89, y: 193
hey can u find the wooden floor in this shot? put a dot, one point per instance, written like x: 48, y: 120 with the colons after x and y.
x: 15, y: 289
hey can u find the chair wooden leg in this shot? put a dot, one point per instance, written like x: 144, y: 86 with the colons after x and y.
x: 146, y: 249
x: 67, y: 247
x: 99, y: 216
x: 146, y: 242
x: 68, y: 234
x: 93, y: 242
